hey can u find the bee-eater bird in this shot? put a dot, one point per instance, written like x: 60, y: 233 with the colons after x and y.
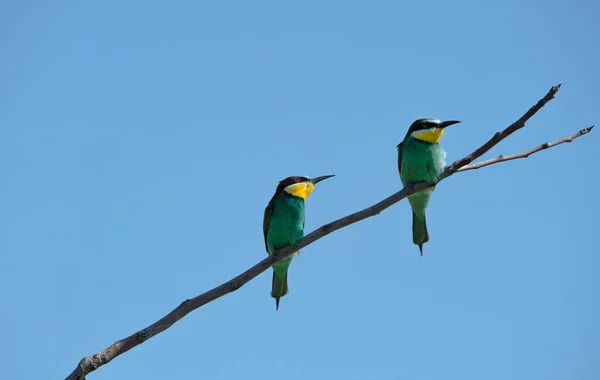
x: 420, y: 159
x: 283, y: 225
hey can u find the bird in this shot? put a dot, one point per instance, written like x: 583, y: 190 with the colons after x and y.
x: 421, y: 159
x: 283, y: 225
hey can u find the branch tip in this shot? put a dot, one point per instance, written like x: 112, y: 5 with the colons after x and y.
x: 525, y: 154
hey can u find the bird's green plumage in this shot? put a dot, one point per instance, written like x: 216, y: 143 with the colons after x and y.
x: 283, y: 225
x: 420, y: 161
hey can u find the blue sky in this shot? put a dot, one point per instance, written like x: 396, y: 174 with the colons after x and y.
x: 140, y: 143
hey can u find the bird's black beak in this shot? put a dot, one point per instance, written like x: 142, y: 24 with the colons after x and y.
x: 448, y: 123
x: 314, y: 181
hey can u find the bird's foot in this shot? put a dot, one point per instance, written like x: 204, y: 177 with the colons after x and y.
x: 411, y: 186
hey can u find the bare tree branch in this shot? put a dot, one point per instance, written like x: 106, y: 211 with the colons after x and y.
x: 91, y: 363
x: 499, y: 136
x: 527, y: 153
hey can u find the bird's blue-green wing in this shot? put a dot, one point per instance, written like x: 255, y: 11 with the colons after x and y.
x: 266, y: 221
x: 400, y: 158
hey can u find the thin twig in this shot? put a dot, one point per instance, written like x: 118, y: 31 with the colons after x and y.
x: 499, y: 136
x: 91, y: 363
x: 527, y: 153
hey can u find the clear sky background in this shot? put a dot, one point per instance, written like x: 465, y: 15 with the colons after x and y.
x: 140, y: 142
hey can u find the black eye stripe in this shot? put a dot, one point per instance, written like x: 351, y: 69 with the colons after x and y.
x: 292, y: 180
x: 422, y: 126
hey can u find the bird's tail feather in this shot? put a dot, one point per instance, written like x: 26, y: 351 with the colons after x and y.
x: 419, y: 229
x: 279, y: 288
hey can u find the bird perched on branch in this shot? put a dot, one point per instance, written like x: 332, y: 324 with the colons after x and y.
x: 283, y: 225
x: 420, y: 159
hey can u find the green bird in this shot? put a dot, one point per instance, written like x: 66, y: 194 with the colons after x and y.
x: 283, y: 225
x: 420, y: 159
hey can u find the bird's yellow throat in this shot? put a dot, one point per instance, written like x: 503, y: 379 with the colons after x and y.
x: 300, y: 190
x: 431, y: 135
